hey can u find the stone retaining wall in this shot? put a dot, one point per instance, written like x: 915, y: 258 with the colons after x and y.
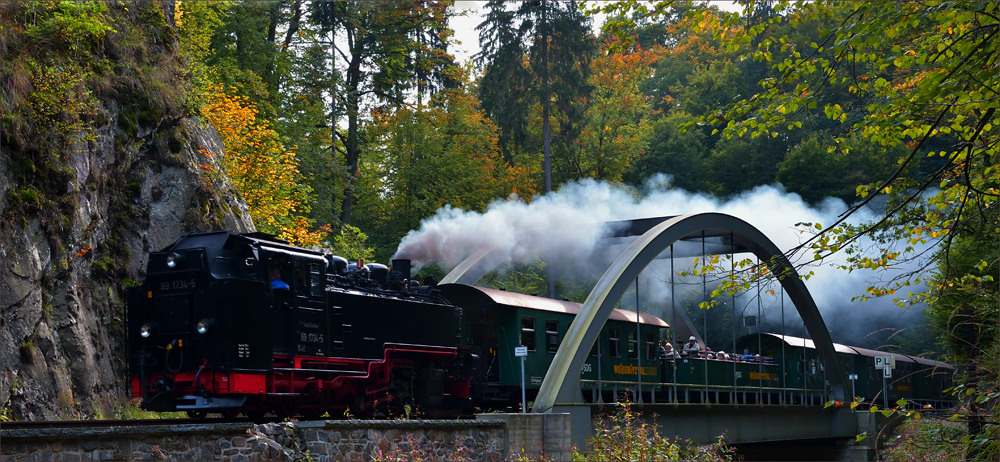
x: 485, y: 439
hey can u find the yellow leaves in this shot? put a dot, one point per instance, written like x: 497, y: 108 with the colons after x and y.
x: 261, y: 168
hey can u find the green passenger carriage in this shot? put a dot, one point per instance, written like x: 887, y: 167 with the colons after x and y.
x: 920, y: 381
x: 627, y: 352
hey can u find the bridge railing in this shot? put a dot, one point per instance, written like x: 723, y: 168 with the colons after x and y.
x: 700, y: 393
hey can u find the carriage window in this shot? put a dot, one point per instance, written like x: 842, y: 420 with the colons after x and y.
x: 551, y: 335
x: 651, y: 350
x: 528, y: 333
x: 614, y: 340
x: 633, y: 346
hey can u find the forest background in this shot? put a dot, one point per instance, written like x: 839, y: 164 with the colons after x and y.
x: 348, y: 124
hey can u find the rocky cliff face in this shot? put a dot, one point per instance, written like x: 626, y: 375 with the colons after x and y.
x: 81, y: 209
x: 62, y: 334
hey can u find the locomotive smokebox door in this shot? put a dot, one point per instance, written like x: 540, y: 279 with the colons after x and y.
x: 244, y: 335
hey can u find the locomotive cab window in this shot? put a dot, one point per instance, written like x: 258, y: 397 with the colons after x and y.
x: 551, y: 335
x: 278, y: 275
x: 528, y: 332
x: 614, y: 342
x: 309, y: 279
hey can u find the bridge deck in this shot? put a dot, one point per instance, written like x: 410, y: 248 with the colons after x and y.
x: 737, y: 423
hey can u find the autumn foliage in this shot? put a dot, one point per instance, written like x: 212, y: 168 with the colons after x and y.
x: 262, y: 169
x: 434, y: 156
x: 618, y: 120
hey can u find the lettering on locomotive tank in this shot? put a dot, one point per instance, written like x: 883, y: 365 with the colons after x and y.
x: 310, y: 337
x: 180, y: 284
x: 242, y: 350
x: 309, y: 325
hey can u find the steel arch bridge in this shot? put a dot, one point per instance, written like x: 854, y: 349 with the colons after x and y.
x: 560, y: 390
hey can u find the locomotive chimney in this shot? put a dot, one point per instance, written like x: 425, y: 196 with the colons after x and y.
x: 402, y: 267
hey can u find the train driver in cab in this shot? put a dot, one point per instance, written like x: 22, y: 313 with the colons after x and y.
x: 276, y: 282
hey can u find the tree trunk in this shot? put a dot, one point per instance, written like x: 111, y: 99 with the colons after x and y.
x: 546, y: 97
x: 969, y: 335
x: 545, y: 100
x: 293, y: 24
x: 352, y: 148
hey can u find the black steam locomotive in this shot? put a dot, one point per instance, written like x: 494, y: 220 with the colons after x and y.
x: 229, y: 323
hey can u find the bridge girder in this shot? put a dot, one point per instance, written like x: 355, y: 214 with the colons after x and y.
x: 561, y: 386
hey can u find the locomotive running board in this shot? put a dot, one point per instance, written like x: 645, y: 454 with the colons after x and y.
x: 190, y: 402
x: 325, y: 371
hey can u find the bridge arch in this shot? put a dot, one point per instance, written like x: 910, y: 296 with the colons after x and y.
x: 560, y: 390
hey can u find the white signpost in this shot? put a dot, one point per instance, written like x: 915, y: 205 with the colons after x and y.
x: 522, y: 352
x: 887, y: 363
x: 883, y: 362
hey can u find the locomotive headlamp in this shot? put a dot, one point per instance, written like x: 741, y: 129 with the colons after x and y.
x: 146, y: 330
x: 173, y: 260
x: 204, y: 325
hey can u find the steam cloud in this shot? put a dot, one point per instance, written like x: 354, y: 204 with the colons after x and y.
x: 564, y: 229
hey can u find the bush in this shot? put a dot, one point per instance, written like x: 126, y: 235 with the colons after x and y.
x: 926, y: 440
x: 625, y: 436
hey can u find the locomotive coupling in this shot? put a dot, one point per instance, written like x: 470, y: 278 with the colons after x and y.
x: 165, y: 384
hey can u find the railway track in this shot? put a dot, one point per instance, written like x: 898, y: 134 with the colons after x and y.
x: 65, y: 424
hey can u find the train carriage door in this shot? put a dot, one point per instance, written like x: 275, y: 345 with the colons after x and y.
x: 281, y: 303
x: 309, y: 326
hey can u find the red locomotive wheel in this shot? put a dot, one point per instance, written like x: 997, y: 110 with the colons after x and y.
x: 285, y: 407
x: 256, y: 415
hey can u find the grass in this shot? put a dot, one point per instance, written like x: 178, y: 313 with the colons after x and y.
x: 925, y: 440
x: 113, y: 408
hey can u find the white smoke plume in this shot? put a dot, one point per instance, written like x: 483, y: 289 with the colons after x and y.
x: 559, y: 228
